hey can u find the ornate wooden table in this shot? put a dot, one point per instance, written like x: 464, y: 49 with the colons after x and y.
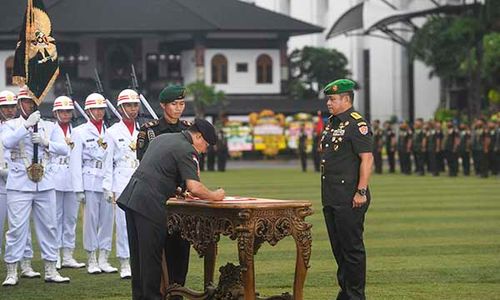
x: 251, y: 222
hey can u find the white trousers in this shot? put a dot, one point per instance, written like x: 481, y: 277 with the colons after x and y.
x: 97, y: 222
x: 20, y: 205
x: 28, y: 251
x: 122, y: 250
x: 67, y: 215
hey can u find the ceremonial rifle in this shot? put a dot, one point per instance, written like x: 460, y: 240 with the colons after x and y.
x: 135, y: 86
x: 69, y: 91
x: 100, y: 90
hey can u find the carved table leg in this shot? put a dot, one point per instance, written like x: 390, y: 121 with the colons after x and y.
x: 209, y: 259
x: 245, y: 253
x: 303, y: 241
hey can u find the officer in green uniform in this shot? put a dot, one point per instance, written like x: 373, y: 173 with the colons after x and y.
x: 404, y: 148
x: 464, y: 148
x: 450, y: 146
x: 439, y: 146
x: 346, y: 162
x: 390, y: 146
x: 492, y: 152
x: 378, y: 142
x: 172, y: 159
x: 418, y: 146
x: 172, y: 102
x: 480, y: 146
x: 432, y: 149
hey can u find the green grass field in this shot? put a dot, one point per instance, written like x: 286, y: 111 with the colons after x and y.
x: 426, y: 238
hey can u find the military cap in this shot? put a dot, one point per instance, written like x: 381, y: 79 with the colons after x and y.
x: 206, y: 129
x: 339, y: 86
x: 172, y: 93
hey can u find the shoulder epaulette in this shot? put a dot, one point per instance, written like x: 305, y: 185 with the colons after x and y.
x: 356, y: 116
x: 150, y: 124
x: 361, y: 123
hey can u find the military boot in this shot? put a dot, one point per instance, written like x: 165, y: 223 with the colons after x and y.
x: 51, y: 274
x: 104, y: 264
x: 92, y: 266
x: 27, y: 271
x: 11, y: 278
x: 125, y: 269
x: 68, y: 260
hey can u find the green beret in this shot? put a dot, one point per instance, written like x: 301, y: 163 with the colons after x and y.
x: 172, y: 93
x: 339, y: 86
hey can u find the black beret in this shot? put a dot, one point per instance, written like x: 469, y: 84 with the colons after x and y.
x: 207, y: 130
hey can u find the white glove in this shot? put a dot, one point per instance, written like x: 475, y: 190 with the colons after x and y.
x: 108, y: 196
x: 80, y: 197
x: 32, y: 119
x: 37, y: 138
x: 4, y: 173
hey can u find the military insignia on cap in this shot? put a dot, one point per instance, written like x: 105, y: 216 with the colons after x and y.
x: 363, y: 129
x: 335, y: 88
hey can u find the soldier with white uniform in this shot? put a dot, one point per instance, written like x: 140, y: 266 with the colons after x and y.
x: 8, y: 110
x: 30, y: 188
x: 121, y: 162
x: 67, y: 206
x: 86, y: 164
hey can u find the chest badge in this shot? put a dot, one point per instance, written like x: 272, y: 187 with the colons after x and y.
x: 133, y: 145
x: 102, y: 143
x: 69, y: 143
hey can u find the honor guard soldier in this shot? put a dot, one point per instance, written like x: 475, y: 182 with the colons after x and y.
x: 450, y: 146
x: 418, y: 145
x: 492, y: 152
x: 378, y: 144
x: 171, y: 160
x: 30, y: 188
x: 439, y: 146
x: 346, y: 163
x: 172, y: 102
x: 480, y: 145
x: 119, y: 165
x: 8, y: 110
x: 432, y: 148
x: 67, y: 206
x: 464, y: 148
x: 86, y: 164
x: 390, y: 146
x: 404, y: 148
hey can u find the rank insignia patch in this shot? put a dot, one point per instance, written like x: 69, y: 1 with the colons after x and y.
x: 363, y: 129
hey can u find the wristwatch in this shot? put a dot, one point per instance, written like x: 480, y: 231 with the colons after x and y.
x: 362, y: 192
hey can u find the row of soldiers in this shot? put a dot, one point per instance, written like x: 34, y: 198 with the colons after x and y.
x: 434, y: 148
x: 48, y: 169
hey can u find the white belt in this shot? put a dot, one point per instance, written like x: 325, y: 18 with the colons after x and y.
x: 61, y: 161
x: 96, y: 164
x: 127, y: 164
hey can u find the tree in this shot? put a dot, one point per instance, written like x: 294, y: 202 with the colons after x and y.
x: 204, y: 96
x: 312, y: 68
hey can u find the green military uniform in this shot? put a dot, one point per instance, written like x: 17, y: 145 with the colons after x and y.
x: 346, y: 135
x: 169, y: 161
x: 378, y: 136
x: 432, y: 152
x: 418, y: 139
x: 480, y: 157
x: 492, y: 152
x: 176, y: 249
x: 464, y: 150
x: 404, y: 138
x: 389, y: 148
x: 450, y: 151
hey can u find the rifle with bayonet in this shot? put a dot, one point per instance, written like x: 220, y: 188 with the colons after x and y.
x: 69, y: 91
x: 135, y: 86
x: 100, y: 90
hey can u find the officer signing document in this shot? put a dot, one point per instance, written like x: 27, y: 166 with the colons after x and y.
x: 170, y: 161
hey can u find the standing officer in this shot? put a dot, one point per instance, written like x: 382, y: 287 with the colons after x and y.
x: 439, y: 146
x: 30, y: 189
x: 492, y: 152
x: 432, y: 148
x: 86, y: 165
x: 222, y: 151
x: 378, y: 142
x: 464, y: 148
x: 302, y: 145
x: 8, y: 111
x: 480, y: 146
x: 347, y: 161
x: 171, y: 161
x: 119, y: 165
x: 418, y: 145
x: 173, y: 103
x: 404, y: 148
x: 390, y: 146
x: 450, y: 146
x: 67, y: 206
